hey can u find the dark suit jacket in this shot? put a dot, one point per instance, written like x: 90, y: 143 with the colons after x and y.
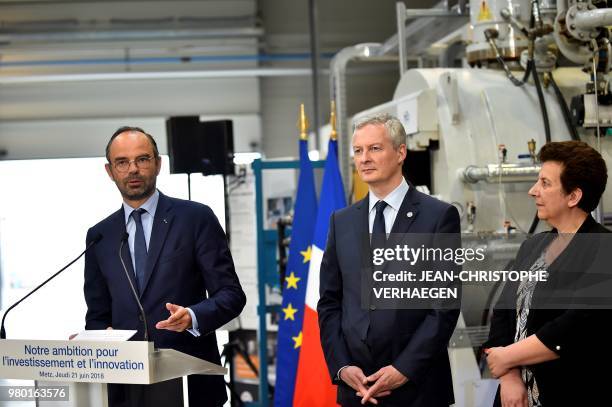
x: 189, y: 264
x: 581, y: 337
x: 413, y: 341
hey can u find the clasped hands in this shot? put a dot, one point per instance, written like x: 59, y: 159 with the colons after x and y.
x: 379, y: 384
x: 498, y: 361
x: 513, y: 392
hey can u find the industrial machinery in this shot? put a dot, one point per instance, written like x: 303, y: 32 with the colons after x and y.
x: 533, y: 71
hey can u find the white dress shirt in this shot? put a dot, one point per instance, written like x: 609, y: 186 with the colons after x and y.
x: 394, y: 200
x: 150, y: 206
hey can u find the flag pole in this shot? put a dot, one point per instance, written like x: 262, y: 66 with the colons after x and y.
x: 332, y: 121
x: 303, y: 123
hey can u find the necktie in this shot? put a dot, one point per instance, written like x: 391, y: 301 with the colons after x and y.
x: 140, y: 249
x: 379, y: 232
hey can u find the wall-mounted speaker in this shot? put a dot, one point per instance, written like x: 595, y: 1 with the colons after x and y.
x: 200, y: 147
x: 219, y: 146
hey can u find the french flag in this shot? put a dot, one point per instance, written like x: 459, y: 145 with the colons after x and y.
x: 290, y: 334
x: 313, y: 386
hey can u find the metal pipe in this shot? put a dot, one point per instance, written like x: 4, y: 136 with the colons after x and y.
x: 561, y: 6
x: 400, y: 11
x: 433, y: 12
x: 593, y: 18
x: 119, y: 76
x: 314, y: 61
x: 496, y: 173
x: 135, y: 35
x: 576, y: 52
x: 182, y: 60
x: 338, y: 93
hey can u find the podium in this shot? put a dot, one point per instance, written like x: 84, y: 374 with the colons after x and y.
x: 88, y: 366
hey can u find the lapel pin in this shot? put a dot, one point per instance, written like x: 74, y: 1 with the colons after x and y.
x: 165, y: 221
x: 409, y: 214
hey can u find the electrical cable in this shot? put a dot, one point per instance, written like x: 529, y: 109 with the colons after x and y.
x: 536, y: 80
x: 527, y: 73
x: 490, y: 35
x: 564, y: 109
x: 538, y: 85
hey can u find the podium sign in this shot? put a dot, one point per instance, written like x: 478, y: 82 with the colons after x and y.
x: 87, y: 366
x: 77, y: 361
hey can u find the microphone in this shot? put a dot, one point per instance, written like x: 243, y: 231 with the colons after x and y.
x: 124, y: 239
x: 95, y: 240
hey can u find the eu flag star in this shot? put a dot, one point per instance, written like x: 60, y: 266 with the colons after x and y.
x: 306, y: 254
x: 297, y: 340
x: 290, y: 312
x: 292, y: 280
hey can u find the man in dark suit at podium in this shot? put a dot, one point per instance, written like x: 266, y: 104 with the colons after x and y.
x: 178, y: 258
x: 390, y: 357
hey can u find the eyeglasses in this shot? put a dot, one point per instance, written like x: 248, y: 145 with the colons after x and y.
x: 142, y: 163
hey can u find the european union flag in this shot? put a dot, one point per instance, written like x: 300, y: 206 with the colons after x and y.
x: 294, y: 288
x: 313, y: 387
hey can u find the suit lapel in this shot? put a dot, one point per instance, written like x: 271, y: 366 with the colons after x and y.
x: 362, y: 230
x: 161, y: 224
x: 362, y: 234
x: 408, y: 211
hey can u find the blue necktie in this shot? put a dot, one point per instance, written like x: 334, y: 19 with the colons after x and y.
x: 379, y: 232
x: 140, y: 249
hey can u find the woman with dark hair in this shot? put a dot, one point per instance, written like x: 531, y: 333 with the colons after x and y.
x: 549, y: 355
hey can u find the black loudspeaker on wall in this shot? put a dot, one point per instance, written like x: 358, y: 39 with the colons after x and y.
x: 200, y: 147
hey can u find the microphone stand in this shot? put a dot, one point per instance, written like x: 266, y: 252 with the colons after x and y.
x: 2, y: 330
x: 127, y: 275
